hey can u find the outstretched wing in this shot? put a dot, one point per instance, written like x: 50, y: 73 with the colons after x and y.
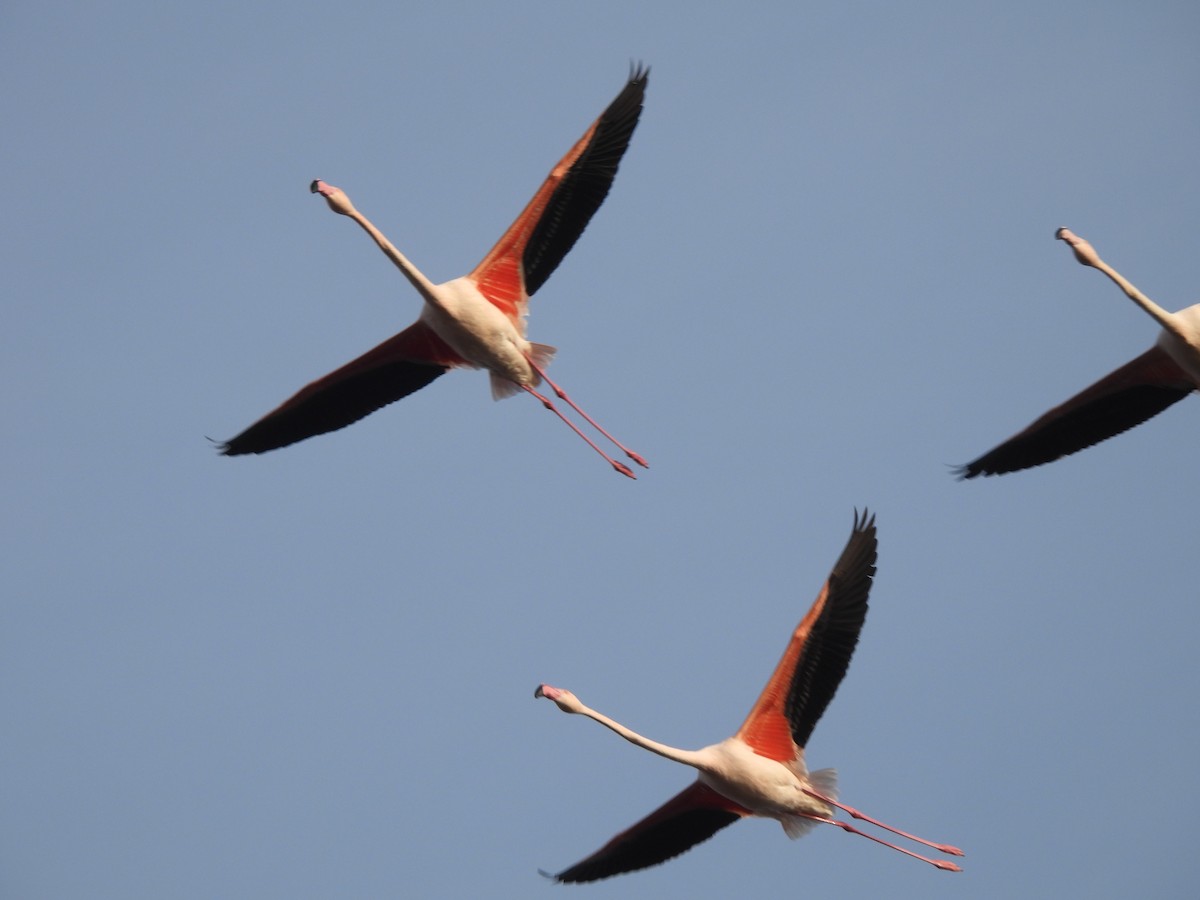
x: 818, y: 654
x: 1127, y: 397
x: 553, y: 220
x: 396, y: 368
x: 692, y: 816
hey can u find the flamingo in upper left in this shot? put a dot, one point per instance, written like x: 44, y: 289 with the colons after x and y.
x: 478, y: 320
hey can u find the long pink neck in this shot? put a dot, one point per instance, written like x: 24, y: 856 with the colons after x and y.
x: 1086, y: 254
x: 687, y: 757
x: 426, y: 288
x: 1161, y: 316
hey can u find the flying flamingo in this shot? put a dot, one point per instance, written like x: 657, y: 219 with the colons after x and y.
x: 477, y: 320
x: 1143, y: 387
x: 760, y: 771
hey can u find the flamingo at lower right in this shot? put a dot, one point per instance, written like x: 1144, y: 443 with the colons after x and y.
x: 760, y: 770
x: 1138, y: 390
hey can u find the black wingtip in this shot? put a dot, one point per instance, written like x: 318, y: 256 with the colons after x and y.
x: 967, y: 471
x: 222, y: 447
x: 312, y: 188
x: 865, y: 522
x: 639, y: 72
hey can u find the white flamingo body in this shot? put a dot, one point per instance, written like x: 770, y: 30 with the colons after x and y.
x: 481, y: 334
x: 760, y: 770
x: 765, y: 787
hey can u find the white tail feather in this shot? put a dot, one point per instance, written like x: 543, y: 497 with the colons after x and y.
x: 797, y: 826
x: 824, y: 781
x: 541, y: 354
x: 502, y: 387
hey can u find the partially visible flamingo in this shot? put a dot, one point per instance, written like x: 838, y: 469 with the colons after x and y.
x: 760, y: 771
x: 477, y: 320
x: 1140, y: 389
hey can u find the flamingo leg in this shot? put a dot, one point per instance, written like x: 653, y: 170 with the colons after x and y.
x: 562, y: 395
x: 846, y: 826
x: 854, y: 813
x: 546, y: 402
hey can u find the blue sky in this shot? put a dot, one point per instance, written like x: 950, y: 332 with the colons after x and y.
x: 825, y: 274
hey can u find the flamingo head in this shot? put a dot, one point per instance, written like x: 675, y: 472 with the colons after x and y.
x: 334, y: 196
x: 1083, y: 250
x: 564, y: 700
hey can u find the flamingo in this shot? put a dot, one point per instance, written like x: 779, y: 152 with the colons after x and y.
x: 1138, y: 390
x: 478, y: 320
x: 760, y: 770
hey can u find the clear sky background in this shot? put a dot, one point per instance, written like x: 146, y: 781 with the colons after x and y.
x: 825, y: 274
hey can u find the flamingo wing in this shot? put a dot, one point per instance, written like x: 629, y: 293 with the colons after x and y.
x: 553, y: 220
x: 1137, y: 391
x: 396, y: 368
x: 690, y: 817
x: 817, y: 655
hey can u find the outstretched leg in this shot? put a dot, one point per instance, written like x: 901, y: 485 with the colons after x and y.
x: 846, y: 826
x: 619, y: 466
x: 562, y: 395
x: 854, y: 813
